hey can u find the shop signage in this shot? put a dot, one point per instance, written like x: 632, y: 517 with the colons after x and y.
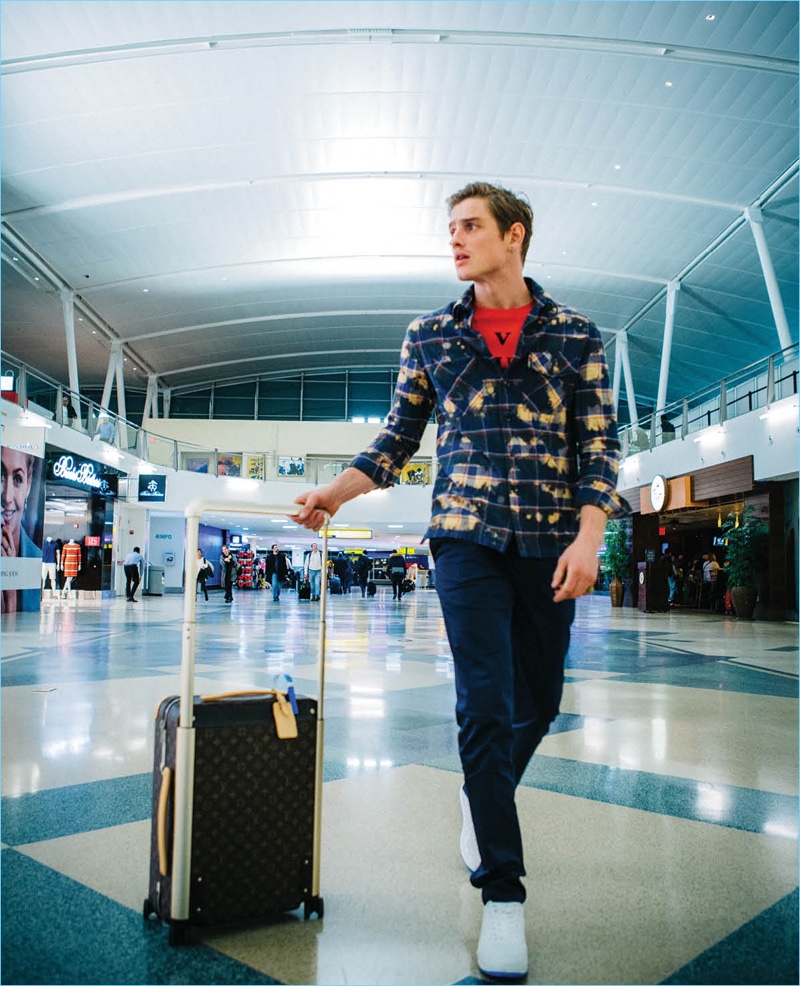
x: 92, y: 541
x: 73, y: 471
x: 152, y: 489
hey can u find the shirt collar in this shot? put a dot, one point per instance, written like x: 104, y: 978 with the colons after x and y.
x: 465, y: 305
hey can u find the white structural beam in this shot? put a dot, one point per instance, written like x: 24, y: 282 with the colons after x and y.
x: 151, y: 398
x: 756, y: 221
x: 120, y: 388
x: 116, y: 349
x: 624, y: 356
x: 68, y: 307
x: 617, y: 376
x: 666, y: 348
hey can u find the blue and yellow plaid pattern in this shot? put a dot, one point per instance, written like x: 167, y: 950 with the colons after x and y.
x: 519, y: 450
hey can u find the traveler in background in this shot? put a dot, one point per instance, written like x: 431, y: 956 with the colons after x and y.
x: 134, y: 569
x: 667, y: 429
x: 527, y: 476
x: 69, y: 415
x: 313, y: 570
x: 204, y: 572
x: 228, y: 567
x: 276, y: 572
x: 396, y: 570
x: 104, y: 431
x: 363, y: 569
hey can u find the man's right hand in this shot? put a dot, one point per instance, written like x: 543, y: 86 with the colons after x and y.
x: 316, y: 503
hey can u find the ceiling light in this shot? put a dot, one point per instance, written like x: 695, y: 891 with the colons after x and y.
x: 668, y: 85
x: 594, y: 205
x: 145, y: 290
x: 394, y: 526
x: 711, y: 17
x: 617, y: 167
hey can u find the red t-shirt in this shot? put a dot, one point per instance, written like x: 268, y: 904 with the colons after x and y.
x: 500, y: 327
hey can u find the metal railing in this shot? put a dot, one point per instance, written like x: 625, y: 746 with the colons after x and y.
x: 45, y: 396
x: 749, y: 389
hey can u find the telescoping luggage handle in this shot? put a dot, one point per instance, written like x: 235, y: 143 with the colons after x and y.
x: 185, y: 738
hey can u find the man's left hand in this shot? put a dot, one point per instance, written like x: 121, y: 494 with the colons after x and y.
x: 576, y: 571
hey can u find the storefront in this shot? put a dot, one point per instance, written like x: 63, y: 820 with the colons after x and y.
x: 79, y: 518
x: 685, y: 515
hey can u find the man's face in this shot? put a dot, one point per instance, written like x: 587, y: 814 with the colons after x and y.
x: 479, y: 251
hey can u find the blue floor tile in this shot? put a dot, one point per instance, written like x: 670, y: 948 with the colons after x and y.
x: 56, y: 931
x: 765, y: 950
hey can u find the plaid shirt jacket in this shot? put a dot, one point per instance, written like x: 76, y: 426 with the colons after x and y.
x: 520, y: 450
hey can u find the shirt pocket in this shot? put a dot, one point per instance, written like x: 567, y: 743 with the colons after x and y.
x: 550, y: 381
x: 459, y: 386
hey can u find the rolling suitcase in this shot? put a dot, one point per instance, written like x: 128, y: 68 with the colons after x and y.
x: 371, y: 588
x: 304, y: 589
x: 237, y: 786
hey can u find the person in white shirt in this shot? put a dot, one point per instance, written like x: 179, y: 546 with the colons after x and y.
x: 134, y: 566
x: 313, y: 570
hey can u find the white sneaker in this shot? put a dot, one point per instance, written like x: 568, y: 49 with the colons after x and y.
x: 502, y: 951
x: 469, y: 844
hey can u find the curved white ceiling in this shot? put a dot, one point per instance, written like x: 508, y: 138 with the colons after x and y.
x: 238, y: 189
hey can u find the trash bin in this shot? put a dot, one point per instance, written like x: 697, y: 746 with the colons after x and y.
x: 154, y: 583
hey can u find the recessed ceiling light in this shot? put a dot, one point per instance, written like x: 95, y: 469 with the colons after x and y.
x: 594, y: 205
x: 668, y: 85
x: 617, y: 167
x: 145, y: 290
x: 711, y: 17
x: 394, y: 526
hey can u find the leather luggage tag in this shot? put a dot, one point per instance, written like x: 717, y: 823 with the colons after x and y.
x: 285, y: 722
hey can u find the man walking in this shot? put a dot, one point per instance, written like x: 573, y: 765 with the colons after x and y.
x: 528, y: 455
x: 363, y: 569
x: 276, y: 572
x: 228, y: 567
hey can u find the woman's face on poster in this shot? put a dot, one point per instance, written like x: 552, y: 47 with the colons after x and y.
x: 17, y: 475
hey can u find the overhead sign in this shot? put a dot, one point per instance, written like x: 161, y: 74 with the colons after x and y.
x: 356, y: 534
x: 152, y: 489
x: 73, y: 471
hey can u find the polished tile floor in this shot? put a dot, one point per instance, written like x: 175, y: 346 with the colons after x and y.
x: 660, y: 816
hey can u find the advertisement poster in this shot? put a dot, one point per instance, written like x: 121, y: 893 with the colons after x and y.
x: 229, y: 464
x: 23, y: 518
x: 416, y: 474
x: 291, y: 465
x: 255, y: 467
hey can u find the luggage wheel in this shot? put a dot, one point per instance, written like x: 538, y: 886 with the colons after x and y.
x: 313, y: 905
x: 180, y: 933
x: 148, y: 911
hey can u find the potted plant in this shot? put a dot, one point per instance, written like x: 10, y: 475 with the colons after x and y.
x: 746, y: 538
x: 617, y: 559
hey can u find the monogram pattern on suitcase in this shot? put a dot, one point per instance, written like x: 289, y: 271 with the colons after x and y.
x: 253, y: 812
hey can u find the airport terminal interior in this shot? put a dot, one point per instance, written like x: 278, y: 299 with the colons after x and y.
x: 219, y: 219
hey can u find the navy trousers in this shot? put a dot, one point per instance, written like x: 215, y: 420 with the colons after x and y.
x: 509, y: 640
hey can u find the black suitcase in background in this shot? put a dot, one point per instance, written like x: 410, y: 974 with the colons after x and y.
x: 236, y: 810
x: 304, y: 590
x: 335, y: 584
x: 371, y: 588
